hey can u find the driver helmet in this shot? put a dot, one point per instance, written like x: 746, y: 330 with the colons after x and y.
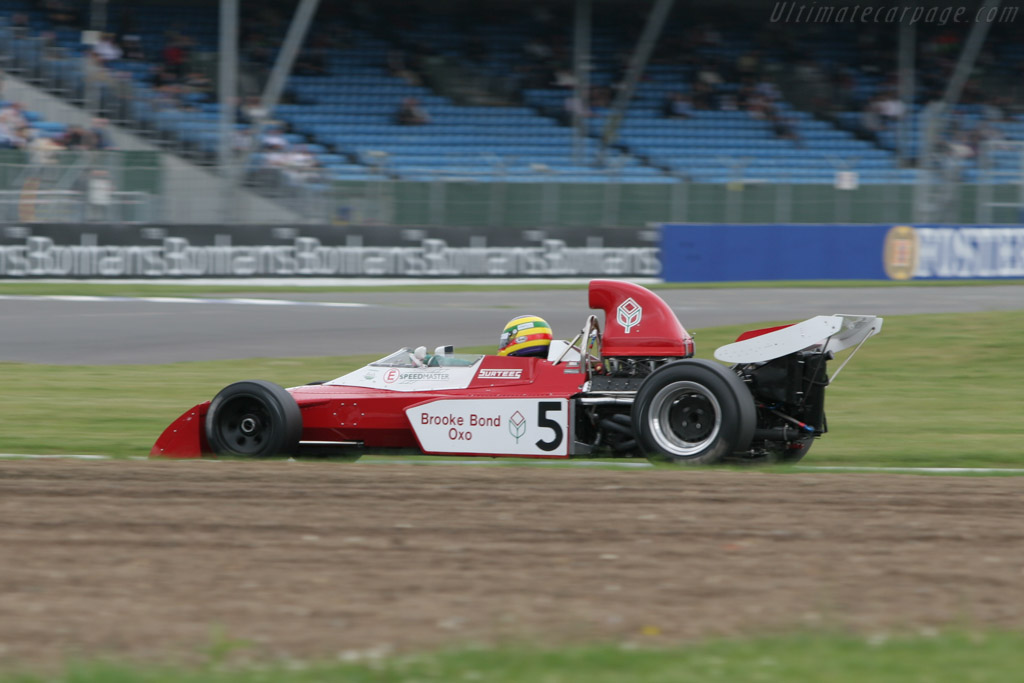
x: 527, y: 335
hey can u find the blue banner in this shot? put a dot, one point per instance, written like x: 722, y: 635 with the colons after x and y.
x: 692, y: 252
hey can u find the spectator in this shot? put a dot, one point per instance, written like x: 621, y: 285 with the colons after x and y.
x: 106, y: 49
x: 410, y: 113
x: 767, y: 89
x: 12, y: 117
x: 76, y: 138
x: 41, y: 150
x: 300, y: 166
x: 99, y: 195
x: 10, y: 138
x: 704, y: 96
x: 572, y: 107
x: 100, y: 137
x: 251, y: 110
x: 397, y: 66
x: 783, y: 127
x: 199, y: 87
x: 565, y: 78
x: 600, y: 96
x: 677, y: 106
x: 274, y: 139
x: 871, y: 123
x: 133, y: 48
x: 890, y: 109
x: 174, y: 55
x: 160, y: 77
x: 748, y: 64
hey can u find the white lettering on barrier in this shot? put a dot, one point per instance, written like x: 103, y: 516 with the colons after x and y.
x: 177, y: 257
x: 970, y: 252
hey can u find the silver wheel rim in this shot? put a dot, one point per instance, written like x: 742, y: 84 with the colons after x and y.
x: 685, y: 418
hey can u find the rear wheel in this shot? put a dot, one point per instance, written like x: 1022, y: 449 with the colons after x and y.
x: 254, y: 418
x: 693, y: 412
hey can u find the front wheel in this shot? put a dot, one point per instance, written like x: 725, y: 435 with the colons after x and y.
x: 254, y: 418
x: 693, y: 412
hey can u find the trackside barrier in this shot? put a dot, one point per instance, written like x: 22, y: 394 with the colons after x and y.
x: 706, y: 252
x: 117, y: 251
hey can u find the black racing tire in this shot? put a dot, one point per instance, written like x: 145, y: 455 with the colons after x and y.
x: 255, y: 419
x: 693, y: 412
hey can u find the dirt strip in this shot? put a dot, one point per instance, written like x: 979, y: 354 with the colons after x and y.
x: 162, y: 560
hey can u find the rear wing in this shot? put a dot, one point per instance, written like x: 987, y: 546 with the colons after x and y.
x: 824, y: 333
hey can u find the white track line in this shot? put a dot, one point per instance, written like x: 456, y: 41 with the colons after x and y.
x: 928, y: 470
x: 179, y: 300
x: 32, y: 456
x: 389, y: 460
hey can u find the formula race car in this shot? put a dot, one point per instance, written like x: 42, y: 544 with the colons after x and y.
x: 632, y: 390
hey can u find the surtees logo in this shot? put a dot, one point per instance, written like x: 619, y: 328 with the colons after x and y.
x: 517, y: 425
x: 629, y: 314
x: 501, y: 374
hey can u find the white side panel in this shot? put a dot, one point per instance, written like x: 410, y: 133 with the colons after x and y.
x: 501, y: 426
x: 782, y: 342
x: 409, y: 379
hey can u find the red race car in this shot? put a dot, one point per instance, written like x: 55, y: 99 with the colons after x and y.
x: 632, y: 390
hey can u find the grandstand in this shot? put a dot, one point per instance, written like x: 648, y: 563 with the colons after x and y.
x: 496, y: 88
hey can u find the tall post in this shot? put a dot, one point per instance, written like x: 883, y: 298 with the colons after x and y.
x: 581, y: 69
x: 637, y: 64
x: 907, y: 48
x: 282, y: 67
x: 935, y: 118
x: 227, y: 93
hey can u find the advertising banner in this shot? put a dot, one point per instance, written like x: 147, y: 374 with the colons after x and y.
x: 48, y: 251
x: 733, y: 253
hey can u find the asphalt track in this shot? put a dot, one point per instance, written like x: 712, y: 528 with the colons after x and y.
x: 117, y: 330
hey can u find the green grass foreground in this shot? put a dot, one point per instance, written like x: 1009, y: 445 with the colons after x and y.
x: 931, y: 390
x: 960, y: 657
x: 34, y: 288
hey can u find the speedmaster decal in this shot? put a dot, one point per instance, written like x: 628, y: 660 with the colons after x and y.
x: 409, y: 379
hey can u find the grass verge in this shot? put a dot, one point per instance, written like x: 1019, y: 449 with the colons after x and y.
x: 935, y: 390
x: 947, y: 657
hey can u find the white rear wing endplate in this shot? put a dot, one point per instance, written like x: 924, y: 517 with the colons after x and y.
x: 831, y: 332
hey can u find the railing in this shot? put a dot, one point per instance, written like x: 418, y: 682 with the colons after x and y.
x: 143, y: 187
x: 73, y: 206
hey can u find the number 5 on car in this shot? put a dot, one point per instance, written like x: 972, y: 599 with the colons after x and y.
x: 497, y: 426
